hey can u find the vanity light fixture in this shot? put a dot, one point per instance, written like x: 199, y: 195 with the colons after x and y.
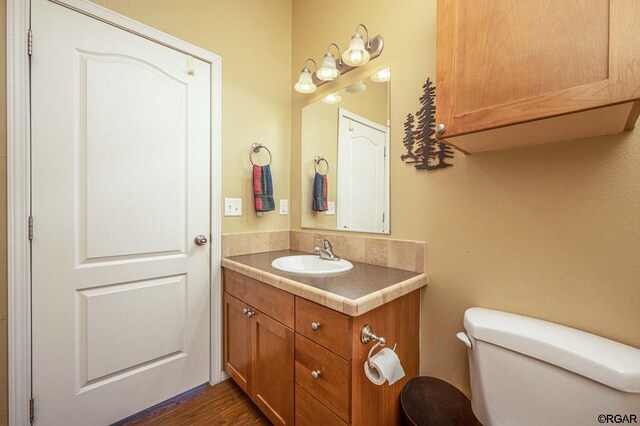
x: 305, y: 82
x: 328, y: 70
x: 381, y: 76
x: 333, y: 98
x: 332, y: 67
x: 357, y: 54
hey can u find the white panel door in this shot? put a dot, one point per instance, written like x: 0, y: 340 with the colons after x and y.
x: 121, y: 187
x: 361, y: 174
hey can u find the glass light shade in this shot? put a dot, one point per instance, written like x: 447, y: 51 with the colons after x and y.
x: 381, y: 76
x: 305, y: 82
x: 357, y: 87
x: 356, y: 55
x: 328, y: 70
x: 333, y: 98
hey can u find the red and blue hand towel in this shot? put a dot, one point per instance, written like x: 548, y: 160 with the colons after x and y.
x: 263, y: 188
x: 320, y: 191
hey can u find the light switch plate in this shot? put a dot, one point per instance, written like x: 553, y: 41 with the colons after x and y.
x: 331, y: 208
x: 284, y: 207
x: 233, y: 206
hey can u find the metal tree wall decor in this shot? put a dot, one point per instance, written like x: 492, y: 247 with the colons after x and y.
x: 423, y: 149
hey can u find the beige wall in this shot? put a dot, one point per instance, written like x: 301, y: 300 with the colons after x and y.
x: 552, y: 232
x: 320, y: 136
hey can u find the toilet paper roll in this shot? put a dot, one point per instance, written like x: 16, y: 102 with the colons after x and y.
x: 385, y: 366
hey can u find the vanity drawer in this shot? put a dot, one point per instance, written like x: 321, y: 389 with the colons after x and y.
x: 333, y: 331
x: 276, y: 303
x: 331, y: 387
x: 309, y: 412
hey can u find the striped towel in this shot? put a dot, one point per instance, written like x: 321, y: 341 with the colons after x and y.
x: 263, y: 189
x: 320, y: 188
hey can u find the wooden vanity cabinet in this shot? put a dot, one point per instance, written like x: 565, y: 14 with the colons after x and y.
x: 547, y: 70
x: 303, y: 363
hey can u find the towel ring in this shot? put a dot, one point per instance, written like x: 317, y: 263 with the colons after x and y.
x: 367, y: 335
x: 256, y: 147
x: 316, y: 161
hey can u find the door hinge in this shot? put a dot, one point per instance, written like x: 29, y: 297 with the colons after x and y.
x: 30, y: 42
x: 383, y: 217
x: 31, y: 410
x: 30, y: 228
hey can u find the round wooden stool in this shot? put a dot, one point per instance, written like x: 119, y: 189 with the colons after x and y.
x: 427, y: 401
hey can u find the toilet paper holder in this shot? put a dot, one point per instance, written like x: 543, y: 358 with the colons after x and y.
x: 367, y: 335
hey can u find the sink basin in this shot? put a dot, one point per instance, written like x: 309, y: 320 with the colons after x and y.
x: 310, y: 265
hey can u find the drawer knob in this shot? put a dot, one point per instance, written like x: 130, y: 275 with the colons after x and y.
x: 440, y: 128
x: 315, y: 374
x: 315, y: 326
x: 245, y: 311
x: 250, y: 313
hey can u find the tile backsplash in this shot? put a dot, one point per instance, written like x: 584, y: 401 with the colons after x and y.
x: 254, y: 242
x: 400, y: 254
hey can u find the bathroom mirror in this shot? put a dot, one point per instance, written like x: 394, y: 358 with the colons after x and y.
x: 345, y: 141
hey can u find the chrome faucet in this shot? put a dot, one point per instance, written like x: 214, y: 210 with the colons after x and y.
x: 326, y: 251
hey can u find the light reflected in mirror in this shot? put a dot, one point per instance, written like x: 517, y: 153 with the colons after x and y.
x: 345, y: 141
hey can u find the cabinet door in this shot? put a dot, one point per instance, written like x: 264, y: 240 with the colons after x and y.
x: 272, y: 369
x: 505, y: 62
x: 237, y: 342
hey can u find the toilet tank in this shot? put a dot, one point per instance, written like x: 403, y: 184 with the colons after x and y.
x: 526, y: 371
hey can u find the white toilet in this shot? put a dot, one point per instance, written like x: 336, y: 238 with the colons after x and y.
x: 525, y: 371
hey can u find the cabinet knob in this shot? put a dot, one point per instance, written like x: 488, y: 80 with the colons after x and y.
x: 315, y: 374
x: 315, y: 326
x: 440, y: 128
x: 250, y: 313
x: 245, y: 311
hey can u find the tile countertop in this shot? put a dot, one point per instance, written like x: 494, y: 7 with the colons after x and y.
x: 359, y: 290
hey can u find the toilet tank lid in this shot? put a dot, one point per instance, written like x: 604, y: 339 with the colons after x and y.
x: 606, y: 361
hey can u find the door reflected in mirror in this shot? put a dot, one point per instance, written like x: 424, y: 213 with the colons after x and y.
x: 345, y: 162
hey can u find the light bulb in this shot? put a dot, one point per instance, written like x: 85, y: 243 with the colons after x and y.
x: 327, y: 74
x: 305, y: 82
x: 328, y: 70
x: 333, y: 98
x: 356, y: 56
x: 381, y: 76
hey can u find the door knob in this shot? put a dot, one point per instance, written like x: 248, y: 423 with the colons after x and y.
x: 201, y: 240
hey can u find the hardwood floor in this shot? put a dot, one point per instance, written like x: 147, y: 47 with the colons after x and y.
x: 222, y: 404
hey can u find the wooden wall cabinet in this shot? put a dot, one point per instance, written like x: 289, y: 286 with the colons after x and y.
x: 515, y: 73
x: 326, y: 373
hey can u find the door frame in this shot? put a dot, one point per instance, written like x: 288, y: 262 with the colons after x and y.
x: 342, y: 112
x: 19, y: 190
